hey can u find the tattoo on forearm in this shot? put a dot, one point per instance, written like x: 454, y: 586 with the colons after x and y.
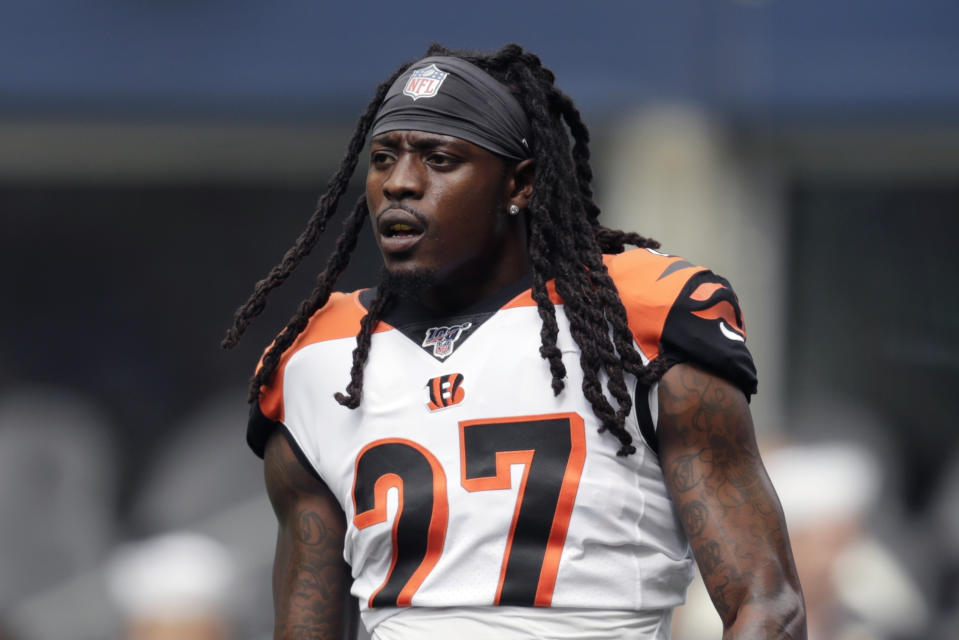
x: 710, y: 556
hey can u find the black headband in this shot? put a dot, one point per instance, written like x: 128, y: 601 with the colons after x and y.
x: 449, y: 96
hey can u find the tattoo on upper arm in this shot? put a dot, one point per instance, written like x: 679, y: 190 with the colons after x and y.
x: 311, y: 575
x: 694, y: 515
x: 707, y: 420
x: 684, y: 473
x: 311, y: 530
x: 318, y: 571
x: 316, y: 579
x: 717, y: 482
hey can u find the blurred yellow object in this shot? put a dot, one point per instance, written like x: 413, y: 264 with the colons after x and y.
x: 197, y: 628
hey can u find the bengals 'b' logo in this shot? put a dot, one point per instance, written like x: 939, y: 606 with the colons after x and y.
x: 445, y: 391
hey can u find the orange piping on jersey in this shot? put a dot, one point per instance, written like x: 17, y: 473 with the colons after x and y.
x: 377, y: 515
x: 525, y: 299
x: 436, y: 536
x: 564, y: 510
x: 648, y: 295
x: 340, y: 317
x: 504, y: 460
x: 439, y: 519
x: 722, y: 310
x: 704, y: 291
x: 564, y: 504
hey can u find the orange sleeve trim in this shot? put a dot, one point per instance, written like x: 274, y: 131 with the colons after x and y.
x: 339, y: 318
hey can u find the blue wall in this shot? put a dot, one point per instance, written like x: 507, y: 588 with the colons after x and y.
x: 897, y: 58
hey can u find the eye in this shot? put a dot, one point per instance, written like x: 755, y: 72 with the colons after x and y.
x: 441, y: 160
x: 380, y: 158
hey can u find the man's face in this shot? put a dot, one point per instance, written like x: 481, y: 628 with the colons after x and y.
x: 438, y: 206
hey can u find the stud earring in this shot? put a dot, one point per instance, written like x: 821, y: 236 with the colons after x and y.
x: 513, y: 210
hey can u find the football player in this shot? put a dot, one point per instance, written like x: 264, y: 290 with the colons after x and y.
x: 524, y: 430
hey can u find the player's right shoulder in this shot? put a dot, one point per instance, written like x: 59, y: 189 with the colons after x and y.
x: 339, y: 318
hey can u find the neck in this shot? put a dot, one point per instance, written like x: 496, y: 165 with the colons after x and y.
x: 449, y: 297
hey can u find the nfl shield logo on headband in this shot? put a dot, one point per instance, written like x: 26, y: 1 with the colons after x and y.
x: 424, y: 83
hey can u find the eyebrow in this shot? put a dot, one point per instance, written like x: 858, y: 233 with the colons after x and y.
x: 426, y: 142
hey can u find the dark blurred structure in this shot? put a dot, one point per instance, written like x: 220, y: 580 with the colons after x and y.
x: 158, y: 157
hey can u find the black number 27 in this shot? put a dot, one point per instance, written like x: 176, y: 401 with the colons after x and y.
x: 552, y: 450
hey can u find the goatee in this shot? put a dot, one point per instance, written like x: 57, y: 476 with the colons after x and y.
x: 407, y: 285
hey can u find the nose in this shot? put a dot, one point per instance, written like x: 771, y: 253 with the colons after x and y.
x: 405, y: 179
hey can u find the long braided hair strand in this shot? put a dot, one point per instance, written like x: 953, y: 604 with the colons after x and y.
x: 338, y: 261
x: 566, y: 243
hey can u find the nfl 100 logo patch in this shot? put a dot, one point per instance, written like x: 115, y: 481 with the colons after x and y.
x: 443, y: 339
x: 424, y: 83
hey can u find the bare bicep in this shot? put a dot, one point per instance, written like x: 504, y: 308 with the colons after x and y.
x: 310, y: 577
x: 717, y: 481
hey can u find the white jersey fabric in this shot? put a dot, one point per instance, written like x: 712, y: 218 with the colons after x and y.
x: 467, y: 484
x: 522, y: 623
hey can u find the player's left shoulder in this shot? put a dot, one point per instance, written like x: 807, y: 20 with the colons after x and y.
x: 650, y: 267
x: 678, y: 305
x: 706, y: 326
x: 649, y: 279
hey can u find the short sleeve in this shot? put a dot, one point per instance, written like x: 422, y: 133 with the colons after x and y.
x: 259, y: 428
x: 705, y: 327
x: 340, y: 317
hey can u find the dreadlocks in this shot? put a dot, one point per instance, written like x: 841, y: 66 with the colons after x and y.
x: 566, y: 243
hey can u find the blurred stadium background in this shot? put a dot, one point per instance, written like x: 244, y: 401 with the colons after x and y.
x: 158, y: 156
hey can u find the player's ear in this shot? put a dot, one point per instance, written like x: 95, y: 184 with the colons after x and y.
x: 520, y: 182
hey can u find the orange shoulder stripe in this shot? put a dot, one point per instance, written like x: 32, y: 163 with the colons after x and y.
x: 525, y: 299
x: 339, y: 318
x: 648, y: 285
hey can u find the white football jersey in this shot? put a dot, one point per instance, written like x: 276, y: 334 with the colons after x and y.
x: 465, y: 481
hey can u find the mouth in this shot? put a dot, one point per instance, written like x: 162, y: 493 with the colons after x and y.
x: 399, y: 230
